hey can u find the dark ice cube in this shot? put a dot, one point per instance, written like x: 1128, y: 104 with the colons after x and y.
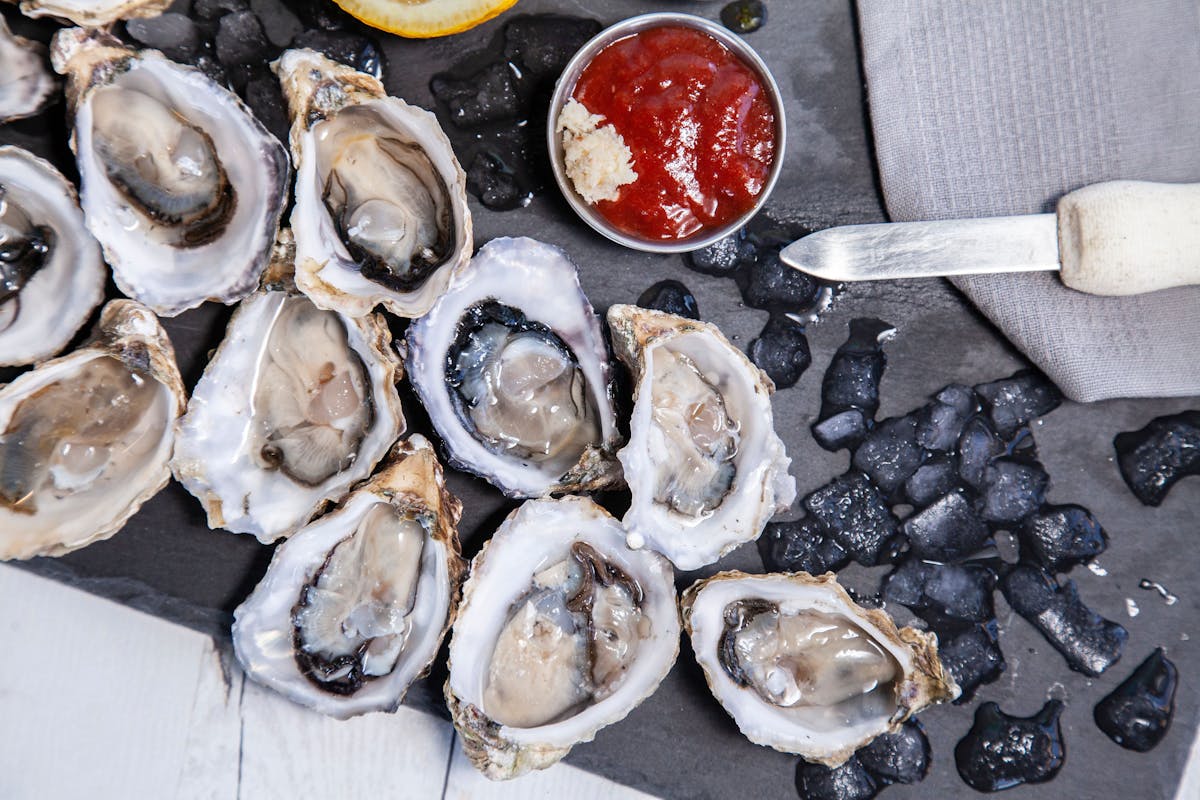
x: 1018, y: 400
x: 1089, y: 642
x: 174, y: 34
x: 1137, y: 714
x: 972, y: 656
x: 672, y: 297
x: 770, y: 284
x: 1012, y: 490
x: 939, y: 425
x: 212, y: 9
x: 889, y: 454
x: 852, y: 509
x: 265, y: 98
x: 845, y: 429
x: 543, y: 44
x: 978, y: 445
x: 936, y: 478
x: 934, y: 591
x: 495, y: 184
x: 961, y: 398
x: 489, y: 95
x: 345, y: 47
x: 1059, y: 537
x: 900, y: 757
x: 850, y: 781
x: 800, y: 546
x: 744, y: 16
x: 722, y: 257
x: 1154, y: 458
x: 241, y: 43
x: 278, y: 21
x: 781, y: 351
x: 947, y: 530
x: 852, y: 380
x: 321, y: 14
x: 1002, y: 751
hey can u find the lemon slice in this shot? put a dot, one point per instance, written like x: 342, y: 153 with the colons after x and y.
x: 423, y: 19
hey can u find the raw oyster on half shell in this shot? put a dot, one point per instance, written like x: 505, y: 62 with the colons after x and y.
x: 51, y: 273
x: 803, y: 668
x: 26, y: 85
x: 355, y: 605
x: 705, y: 466
x: 562, y: 631
x: 181, y: 185
x: 93, y: 13
x: 381, y: 213
x: 296, y: 406
x: 85, y: 439
x: 513, y: 368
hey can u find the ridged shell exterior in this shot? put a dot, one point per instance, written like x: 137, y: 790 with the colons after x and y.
x: 93, y: 13
x: 925, y: 681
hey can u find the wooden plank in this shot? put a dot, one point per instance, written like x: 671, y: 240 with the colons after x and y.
x: 562, y: 780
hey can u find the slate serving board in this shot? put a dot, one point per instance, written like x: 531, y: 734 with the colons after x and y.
x: 679, y: 743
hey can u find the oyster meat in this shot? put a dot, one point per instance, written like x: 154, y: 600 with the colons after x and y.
x: 704, y: 464
x: 562, y: 631
x: 51, y: 273
x: 804, y: 669
x: 26, y: 85
x: 381, y: 213
x: 355, y: 605
x: 85, y: 439
x: 513, y: 369
x: 296, y: 406
x: 181, y: 185
x: 93, y: 13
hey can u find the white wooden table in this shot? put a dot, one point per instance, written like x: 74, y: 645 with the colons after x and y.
x: 101, y: 701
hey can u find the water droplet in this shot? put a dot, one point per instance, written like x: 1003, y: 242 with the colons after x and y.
x: 1131, y: 607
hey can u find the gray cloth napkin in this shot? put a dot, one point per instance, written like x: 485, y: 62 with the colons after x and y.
x: 986, y: 108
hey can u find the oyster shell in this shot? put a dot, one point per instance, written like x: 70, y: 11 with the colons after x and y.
x: 181, y: 185
x: 296, y: 406
x: 381, y: 211
x: 355, y: 605
x: 512, y: 366
x: 562, y: 631
x: 93, y: 13
x: 51, y: 274
x: 27, y: 86
x: 85, y: 439
x: 704, y: 464
x: 804, y: 669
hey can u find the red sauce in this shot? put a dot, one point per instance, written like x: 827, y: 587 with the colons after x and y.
x: 698, y: 121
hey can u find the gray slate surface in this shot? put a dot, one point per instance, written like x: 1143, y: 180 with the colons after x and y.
x: 679, y: 743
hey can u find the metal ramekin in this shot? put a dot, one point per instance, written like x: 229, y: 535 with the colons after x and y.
x: 566, y: 87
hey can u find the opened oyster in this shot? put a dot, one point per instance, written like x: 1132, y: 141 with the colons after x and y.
x: 562, y: 631
x: 804, y: 669
x: 85, y: 439
x: 354, y: 607
x: 381, y: 206
x: 27, y: 85
x: 704, y: 464
x: 180, y: 183
x: 93, y: 13
x: 296, y: 406
x: 51, y: 274
x: 513, y: 369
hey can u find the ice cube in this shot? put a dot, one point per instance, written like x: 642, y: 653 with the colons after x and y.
x: 939, y: 425
x: 1155, y: 457
x: 543, y: 44
x: 850, y: 781
x: 936, y: 478
x: 1018, y: 400
x: 347, y: 48
x: 854, y: 513
x: 852, y: 380
x: 800, y: 546
x: 174, y: 34
x: 900, y: 757
x: 977, y: 446
x: 937, y: 592
x: 972, y: 656
x: 278, y: 21
x: 721, y: 258
x: 263, y: 95
x: 1013, y: 489
x: 496, y: 186
x: 770, y: 284
x: 961, y: 398
x: 947, y: 530
x: 1137, y: 714
x: 212, y: 9
x: 781, y: 351
x: 1059, y: 537
x: 1090, y: 643
x: 744, y: 16
x: 845, y: 429
x: 672, y: 297
x: 889, y: 454
x: 1001, y: 751
x: 489, y: 95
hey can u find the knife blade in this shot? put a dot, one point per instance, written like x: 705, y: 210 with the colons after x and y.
x: 1115, y: 238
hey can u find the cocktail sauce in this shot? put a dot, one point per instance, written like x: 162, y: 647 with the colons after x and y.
x: 698, y: 121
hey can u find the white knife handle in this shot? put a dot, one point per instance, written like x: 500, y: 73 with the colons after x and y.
x: 1129, y: 237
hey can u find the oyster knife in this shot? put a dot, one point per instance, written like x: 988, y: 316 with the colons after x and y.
x: 1116, y: 238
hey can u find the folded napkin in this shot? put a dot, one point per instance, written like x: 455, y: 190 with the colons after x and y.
x: 1001, y: 107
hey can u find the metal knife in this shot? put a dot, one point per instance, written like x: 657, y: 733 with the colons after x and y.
x: 1115, y: 238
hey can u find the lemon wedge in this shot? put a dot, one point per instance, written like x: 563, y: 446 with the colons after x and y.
x: 424, y: 19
